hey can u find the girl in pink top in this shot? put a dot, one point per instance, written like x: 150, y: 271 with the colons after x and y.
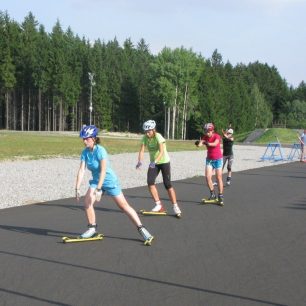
x: 214, y: 160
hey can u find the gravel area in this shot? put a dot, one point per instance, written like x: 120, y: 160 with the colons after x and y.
x: 28, y: 182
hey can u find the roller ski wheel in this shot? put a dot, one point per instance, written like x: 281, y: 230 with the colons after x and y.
x: 153, y: 213
x: 212, y: 201
x: 148, y: 242
x: 80, y: 239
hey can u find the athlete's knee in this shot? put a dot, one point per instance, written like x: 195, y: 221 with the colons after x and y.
x: 151, y: 185
x: 167, y: 185
x: 219, y: 175
x: 124, y: 206
x: 88, y: 202
x: 229, y: 168
x: 150, y: 182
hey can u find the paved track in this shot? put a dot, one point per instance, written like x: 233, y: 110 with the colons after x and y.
x: 252, y: 251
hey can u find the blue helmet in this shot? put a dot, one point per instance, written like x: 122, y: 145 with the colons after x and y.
x: 88, y: 131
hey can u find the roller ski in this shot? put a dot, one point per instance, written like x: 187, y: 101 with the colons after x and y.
x: 153, y: 213
x: 158, y: 210
x: 214, y: 200
x: 147, y: 237
x: 89, y: 235
x: 80, y: 239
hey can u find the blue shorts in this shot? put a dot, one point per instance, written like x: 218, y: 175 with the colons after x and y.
x: 111, y: 190
x: 214, y: 163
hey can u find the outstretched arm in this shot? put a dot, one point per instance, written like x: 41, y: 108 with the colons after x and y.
x: 300, y: 139
x: 98, y: 191
x: 79, y: 179
x: 199, y: 143
x: 213, y: 144
x: 140, y: 156
x: 102, y: 173
x: 230, y: 137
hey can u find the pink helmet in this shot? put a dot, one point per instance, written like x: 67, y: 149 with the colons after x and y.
x: 208, y: 127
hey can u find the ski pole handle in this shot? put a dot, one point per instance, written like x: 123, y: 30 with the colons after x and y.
x: 98, y: 194
x: 152, y: 165
x: 77, y: 194
x: 138, y: 165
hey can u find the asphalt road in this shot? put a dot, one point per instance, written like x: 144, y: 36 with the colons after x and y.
x: 252, y: 251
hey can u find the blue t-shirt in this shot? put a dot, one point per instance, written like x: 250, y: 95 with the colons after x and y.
x: 92, y: 160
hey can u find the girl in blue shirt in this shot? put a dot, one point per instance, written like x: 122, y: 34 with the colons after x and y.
x: 104, y: 180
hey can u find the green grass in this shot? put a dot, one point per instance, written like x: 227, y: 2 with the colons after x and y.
x: 241, y: 136
x: 38, y: 145
x: 285, y: 136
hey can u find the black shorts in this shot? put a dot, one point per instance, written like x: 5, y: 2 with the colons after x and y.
x: 166, y: 173
x: 229, y: 159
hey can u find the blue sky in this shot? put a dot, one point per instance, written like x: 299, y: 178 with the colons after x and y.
x: 243, y: 31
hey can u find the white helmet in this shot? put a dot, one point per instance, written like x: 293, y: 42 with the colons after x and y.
x: 149, y: 125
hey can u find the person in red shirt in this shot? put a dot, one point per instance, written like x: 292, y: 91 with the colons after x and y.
x: 214, y: 160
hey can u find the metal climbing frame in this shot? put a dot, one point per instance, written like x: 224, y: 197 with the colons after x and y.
x: 295, y: 151
x: 274, y: 152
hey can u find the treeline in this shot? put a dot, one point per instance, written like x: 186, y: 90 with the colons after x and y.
x: 49, y: 81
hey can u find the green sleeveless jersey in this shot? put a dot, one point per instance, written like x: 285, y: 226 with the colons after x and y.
x: 153, y: 147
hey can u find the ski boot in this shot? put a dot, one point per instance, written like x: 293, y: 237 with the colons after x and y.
x: 91, y: 232
x: 147, y: 237
x: 228, y: 181
x: 177, y: 211
x: 211, y: 200
x: 212, y: 196
x: 158, y: 208
x: 220, y: 199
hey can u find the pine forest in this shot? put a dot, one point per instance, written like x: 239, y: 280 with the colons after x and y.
x: 59, y: 81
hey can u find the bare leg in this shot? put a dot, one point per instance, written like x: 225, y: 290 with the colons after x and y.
x: 172, y: 195
x: 89, y: 206
x: 219, y: 179
x: 154, y: 193
x: 129, y: 210
x: 208, y: 175
x: 131, y: 213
